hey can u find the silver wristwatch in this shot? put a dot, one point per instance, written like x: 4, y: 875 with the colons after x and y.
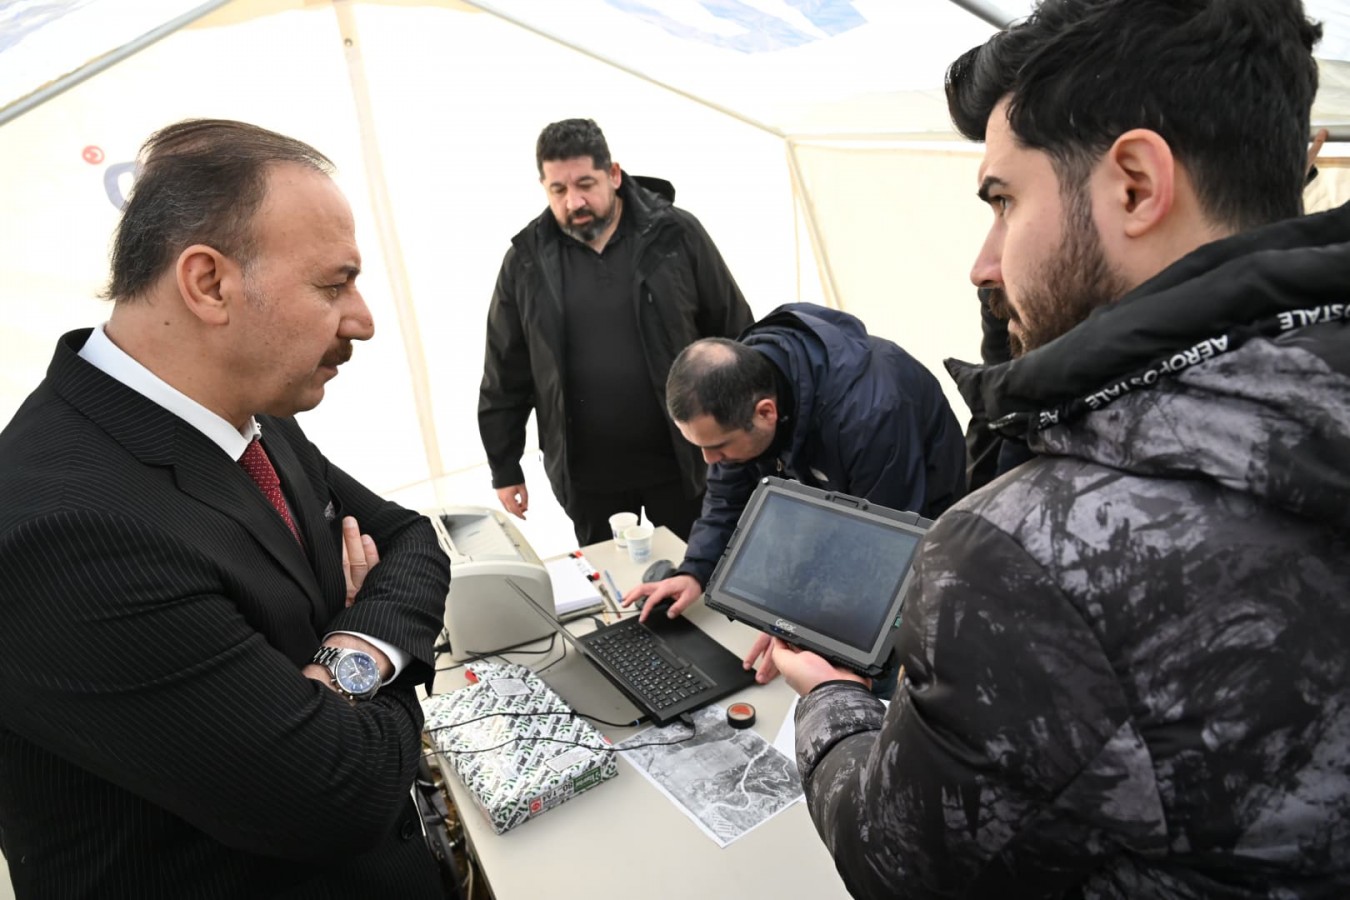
x: 355, y: 673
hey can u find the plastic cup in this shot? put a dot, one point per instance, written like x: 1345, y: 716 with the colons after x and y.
x: 639, y: 540
x: 618, y: 523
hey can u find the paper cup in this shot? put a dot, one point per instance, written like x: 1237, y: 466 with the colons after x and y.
x: 617, y: 525
x: 639, y: 540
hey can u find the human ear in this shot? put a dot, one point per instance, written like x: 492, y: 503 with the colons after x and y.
x: 206, y: 278
x: 1313, y: 149
x: 767, y: 409
x: 1141, y: 174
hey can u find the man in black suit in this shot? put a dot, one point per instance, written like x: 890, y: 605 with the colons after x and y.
x: 194, y: 701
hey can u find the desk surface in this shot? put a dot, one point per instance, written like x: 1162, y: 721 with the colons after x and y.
x: 624, y: 838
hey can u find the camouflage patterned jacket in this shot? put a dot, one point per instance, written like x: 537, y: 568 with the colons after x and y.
x: 1127, y: 665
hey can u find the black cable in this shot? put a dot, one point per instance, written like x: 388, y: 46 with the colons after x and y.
x: 606, y: 749
x: 685, y: 719
x: 560, y: 658
x: 545, y: 712
x: 475, y: 655
x: 479, y: 657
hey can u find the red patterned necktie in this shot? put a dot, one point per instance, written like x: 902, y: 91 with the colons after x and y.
x: 259, y: 468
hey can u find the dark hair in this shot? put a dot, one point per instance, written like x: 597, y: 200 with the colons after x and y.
x: 1229, y: 85
x: 569, y: 139
x: 720, y: 378
x: 200, y: 181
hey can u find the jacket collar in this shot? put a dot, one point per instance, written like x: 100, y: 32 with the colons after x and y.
x: 1206, y: 303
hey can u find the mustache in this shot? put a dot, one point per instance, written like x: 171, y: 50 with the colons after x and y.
x: 997, y: 301
x: 584, y: 211
x: 338, y: 355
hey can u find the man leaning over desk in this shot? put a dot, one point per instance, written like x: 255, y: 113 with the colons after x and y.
x: 191, y: 704
x: 806, y: 393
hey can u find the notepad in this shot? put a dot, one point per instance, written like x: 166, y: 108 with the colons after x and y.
x: 573, y: 590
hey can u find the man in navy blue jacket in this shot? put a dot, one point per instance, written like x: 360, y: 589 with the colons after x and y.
x: 805, y: 393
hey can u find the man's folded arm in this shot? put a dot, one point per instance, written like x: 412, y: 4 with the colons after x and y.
x: 402, y: 600
x: 134, y: 665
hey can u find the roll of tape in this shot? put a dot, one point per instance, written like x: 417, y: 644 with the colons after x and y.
x: 740, y: 715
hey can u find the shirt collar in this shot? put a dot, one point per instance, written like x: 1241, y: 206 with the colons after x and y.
x: 107, y: 357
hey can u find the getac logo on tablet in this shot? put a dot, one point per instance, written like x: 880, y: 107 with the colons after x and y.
x: 784, y: 625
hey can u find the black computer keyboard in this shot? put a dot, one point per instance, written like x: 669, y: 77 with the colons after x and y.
x: 652, y: 671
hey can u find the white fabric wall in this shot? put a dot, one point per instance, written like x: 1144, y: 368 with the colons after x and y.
x: 458, y: 100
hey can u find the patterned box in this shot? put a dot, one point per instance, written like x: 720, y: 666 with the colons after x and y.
x: 516, y: 766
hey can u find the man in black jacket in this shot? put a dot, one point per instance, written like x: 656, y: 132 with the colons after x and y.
x: 1125, y: 674
x: 594, y: 300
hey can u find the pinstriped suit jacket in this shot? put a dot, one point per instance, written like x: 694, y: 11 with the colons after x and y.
x: 156, y: 736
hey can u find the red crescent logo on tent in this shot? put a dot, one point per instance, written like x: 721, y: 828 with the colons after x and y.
x: 92, y: 155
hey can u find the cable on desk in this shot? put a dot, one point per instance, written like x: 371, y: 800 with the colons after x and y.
x: 563, y: 656
x: 550, y: 712
x: 686, y: 721
x: 606, y: 749
x: 478, y: 657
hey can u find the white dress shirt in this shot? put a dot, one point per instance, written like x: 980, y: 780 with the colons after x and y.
x: 110, y: 359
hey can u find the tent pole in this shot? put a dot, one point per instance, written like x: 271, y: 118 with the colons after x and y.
x: 823, y: 266
x: 400, y: 291
x: 987, y: 11
x: 106, y: 61
x: 726, y: 111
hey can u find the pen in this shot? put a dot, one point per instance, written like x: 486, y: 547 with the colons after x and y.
x: 618, y: 594
x: 606, y: 603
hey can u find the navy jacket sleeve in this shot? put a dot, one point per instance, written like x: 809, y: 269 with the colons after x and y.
x: 729, y: 490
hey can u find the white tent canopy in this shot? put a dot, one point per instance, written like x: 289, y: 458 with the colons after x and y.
x: 809, y: 136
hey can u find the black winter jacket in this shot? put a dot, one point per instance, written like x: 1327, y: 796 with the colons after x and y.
x: 1125, y: 663
x: 683, y: 292
x: 870, y: 421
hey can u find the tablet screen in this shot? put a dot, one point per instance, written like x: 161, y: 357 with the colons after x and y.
x: 827, y: 568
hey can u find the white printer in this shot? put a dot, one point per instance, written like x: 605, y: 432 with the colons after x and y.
x: 482, y: 613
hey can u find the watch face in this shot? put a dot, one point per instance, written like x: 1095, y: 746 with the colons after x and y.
x: 357, y: 674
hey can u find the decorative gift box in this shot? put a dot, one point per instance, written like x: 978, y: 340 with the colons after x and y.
x: 518, y: 748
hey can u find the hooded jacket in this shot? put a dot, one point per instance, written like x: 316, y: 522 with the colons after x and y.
x: 681, y: 288
x: 1125, y: 662
x: 869, y: 421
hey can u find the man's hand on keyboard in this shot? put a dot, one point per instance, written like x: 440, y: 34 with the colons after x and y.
x: 685, y: 589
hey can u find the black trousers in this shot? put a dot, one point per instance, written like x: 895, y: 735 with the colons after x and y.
x: 665, y: 504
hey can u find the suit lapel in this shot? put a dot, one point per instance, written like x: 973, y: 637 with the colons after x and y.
x: 156, y: 437
x: 310, y: 511
x: 203, y: 472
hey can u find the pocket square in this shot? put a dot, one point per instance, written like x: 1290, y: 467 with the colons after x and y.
x: 328, y: 513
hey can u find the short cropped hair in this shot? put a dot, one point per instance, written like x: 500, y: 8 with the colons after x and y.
x: 1229, y: 84
x: 720, y: 378
x: 570, y: 139
x: 200, y: 181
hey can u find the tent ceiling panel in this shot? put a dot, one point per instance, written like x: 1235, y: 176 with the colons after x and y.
x: 792, y: 66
